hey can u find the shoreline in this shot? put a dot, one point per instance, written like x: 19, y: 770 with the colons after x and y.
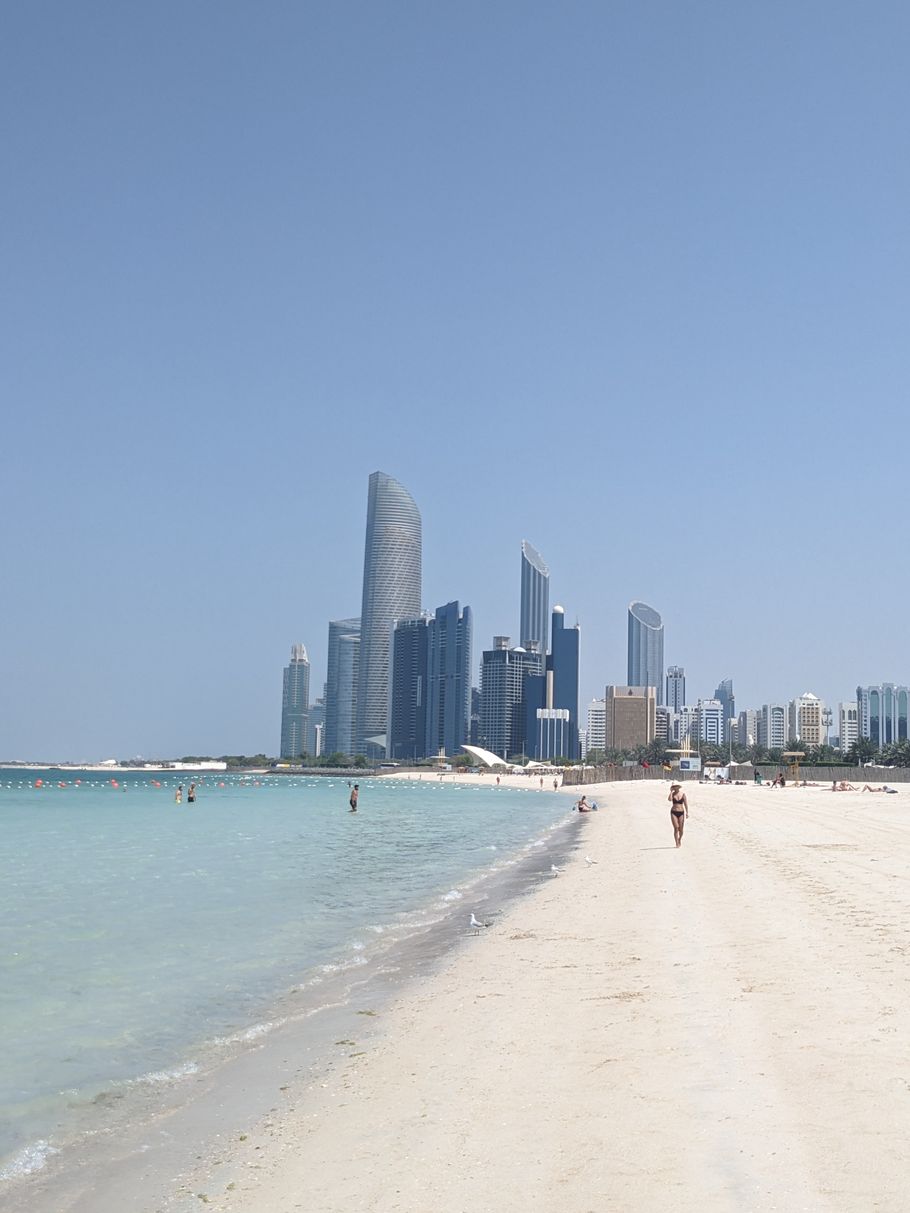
x: 147, y: 1131
x: 715, y: 1028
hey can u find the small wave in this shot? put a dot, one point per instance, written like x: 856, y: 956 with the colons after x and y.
x: 341, y: 965
x: 375, y: 927
x: 29, y: 1159
x: 159, y: 1077
x: 452, y: 895
x: 253, y: 1033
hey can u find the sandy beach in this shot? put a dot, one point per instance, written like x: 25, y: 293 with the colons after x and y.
x: 719, y: 1027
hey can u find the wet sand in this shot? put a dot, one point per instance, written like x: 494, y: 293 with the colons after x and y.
x: 719, y: 1027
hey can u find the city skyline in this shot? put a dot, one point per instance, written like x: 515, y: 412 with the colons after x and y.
x: 231, y: 295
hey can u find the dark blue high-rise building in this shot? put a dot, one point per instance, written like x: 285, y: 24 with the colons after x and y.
x: 408, y: 697
x: 506, y: 678
x: 551, y: 698
x: 430, y: 700
x: 449, y: 680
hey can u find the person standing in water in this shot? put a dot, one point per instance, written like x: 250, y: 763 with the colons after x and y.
x: 178, y: 795
x: 679, y: 811
x: 355, y: 795
x: 191, y: 794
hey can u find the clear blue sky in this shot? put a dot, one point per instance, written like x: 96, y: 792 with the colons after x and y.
x: 629, y: 280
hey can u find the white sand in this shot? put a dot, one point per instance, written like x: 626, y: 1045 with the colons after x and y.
x: 720, y: 1027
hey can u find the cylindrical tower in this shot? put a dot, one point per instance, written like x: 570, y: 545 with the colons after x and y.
x: 391, y: 590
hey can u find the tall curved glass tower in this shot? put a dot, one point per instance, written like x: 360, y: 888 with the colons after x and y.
x: 646, y: 648
x: 391, y: 590
x: 535, y: 598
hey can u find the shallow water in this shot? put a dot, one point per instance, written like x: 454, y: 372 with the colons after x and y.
x: 137, y: 935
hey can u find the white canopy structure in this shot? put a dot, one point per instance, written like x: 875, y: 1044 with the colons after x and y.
x: 487, y: 757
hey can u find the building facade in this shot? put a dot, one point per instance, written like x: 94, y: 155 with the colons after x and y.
x: 408, y: 693
x: 596, y: 733
x: 295, y: 702
x: 847, y: 725
x: 391, y: 591
x: 315, y: 729
x: 676, y: 688
x: 630, y: 716
x: 747, y: 728
x: 882, y: 712
x: 806, y: 720
x: 724, y: 695
x: 503, y: 675
x: 773, y: 726
x: 712, y: 721
x: 449, y: 680
x: 535, y: 600
x: 341, y: 686
x: 646, y: 649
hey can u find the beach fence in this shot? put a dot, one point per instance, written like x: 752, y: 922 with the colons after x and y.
x: 579, y: 776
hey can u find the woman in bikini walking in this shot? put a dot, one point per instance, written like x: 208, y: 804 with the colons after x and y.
x: 679, y: 811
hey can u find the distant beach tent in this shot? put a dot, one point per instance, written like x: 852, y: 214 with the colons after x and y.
x: 487, y: 757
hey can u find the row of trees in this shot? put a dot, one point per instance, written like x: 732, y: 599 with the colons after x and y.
x: 897, y: 754
x: 262, y: 760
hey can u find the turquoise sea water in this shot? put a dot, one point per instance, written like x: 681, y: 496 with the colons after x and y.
x: 137, y: 934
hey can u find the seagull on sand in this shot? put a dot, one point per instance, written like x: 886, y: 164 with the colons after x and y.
x: 476, y: 925
x: 554, y: 869
x: 589, y: 860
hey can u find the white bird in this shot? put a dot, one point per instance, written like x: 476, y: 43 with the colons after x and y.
x: 589, y: 860
x: 554, y: 869
x: 475, y: 923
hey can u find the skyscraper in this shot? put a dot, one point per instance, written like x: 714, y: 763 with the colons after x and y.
x: 431, y: 684
x: 535, y: 599
x: 552, y: 696
x: 295, y: 701
x: 449, y: 679
x: 646, y: 649
x: 408, y: 693
x: 676, y: 688
x: 882, y: 712
x: 391, y: 590
x: 724, y: 693
x: 503, y: 676
x: 341, y: 686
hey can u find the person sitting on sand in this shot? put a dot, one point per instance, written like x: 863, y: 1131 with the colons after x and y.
x: 583, y: 806
x: 679, y: 811
x: 843, y: 786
